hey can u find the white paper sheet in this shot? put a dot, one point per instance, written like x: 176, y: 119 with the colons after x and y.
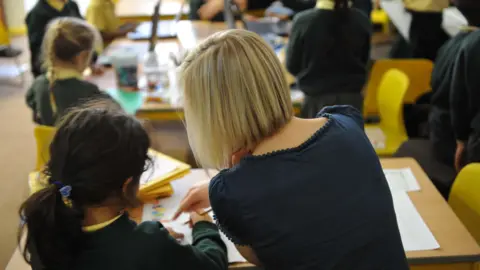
x: 159, y: 168
x: 376, y: 137
x: 414, y: 232
x: 398, y: 15
x: 401, y: 180
x: 164, y: 209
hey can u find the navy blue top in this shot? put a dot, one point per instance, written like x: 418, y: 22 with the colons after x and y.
x: 322, y: 205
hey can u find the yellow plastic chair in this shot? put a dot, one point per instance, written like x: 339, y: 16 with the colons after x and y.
x: 43, y: 138
x: 419, y: 72
x: 465, y: 198
x: 390, y: 97
x: 379, y: 16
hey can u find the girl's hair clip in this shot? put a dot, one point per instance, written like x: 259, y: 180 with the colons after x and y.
x: 65, y: 191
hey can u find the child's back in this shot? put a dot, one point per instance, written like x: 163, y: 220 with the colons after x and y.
x: 441, y: 131
x: 50, y: 102
x: 328, y: 51
x: 79, y: 221
x: 37, y: 20
x: 68, y: 47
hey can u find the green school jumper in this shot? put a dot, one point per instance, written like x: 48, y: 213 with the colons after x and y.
x: 124, y: 245
x: 68, y: 91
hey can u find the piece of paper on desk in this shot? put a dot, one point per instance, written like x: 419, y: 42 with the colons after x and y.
x: 160, y: 167
x: 401, y: 180
x: 164, y: 209
x: 415, y: 233
x: 376, y: 137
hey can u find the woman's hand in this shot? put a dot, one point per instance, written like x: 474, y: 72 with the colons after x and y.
x: 196, y: 199
x: 459, y: 155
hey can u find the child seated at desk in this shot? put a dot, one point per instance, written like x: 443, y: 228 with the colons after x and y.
x: 328, y: 52
x: 68, y: 48
x: 37, y: 21
x: 79, y: 221
x: 101, y: 14
x: 437, y: 155
x: 465, y: 101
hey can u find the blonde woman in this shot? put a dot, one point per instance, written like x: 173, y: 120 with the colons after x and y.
x: 292, y: 193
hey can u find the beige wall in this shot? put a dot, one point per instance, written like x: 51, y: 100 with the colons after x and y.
x: 15, y: 13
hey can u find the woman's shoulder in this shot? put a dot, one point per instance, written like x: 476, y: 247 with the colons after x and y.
x: 343, y: 113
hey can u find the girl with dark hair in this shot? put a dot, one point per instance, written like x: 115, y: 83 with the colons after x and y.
x: 328, y: 52
x: 79, y: 220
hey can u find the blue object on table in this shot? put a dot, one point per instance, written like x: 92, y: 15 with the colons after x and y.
x: 131, y: 102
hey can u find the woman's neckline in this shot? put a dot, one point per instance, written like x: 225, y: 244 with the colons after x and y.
x: 300, y: 147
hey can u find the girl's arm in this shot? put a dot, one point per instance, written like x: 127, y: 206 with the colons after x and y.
x: 249, y: 255
x: 207, y: 252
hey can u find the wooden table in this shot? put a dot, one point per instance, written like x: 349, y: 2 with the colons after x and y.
x: 458, y: 249
x: 189, y: 35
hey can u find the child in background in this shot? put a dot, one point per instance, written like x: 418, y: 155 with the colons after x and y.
x: 68, y: 48
x: 465, y: 101
x: 79, y: 220
x: 37, y: 20
x: 101, y: 14
x: 441, y: 131
x: 328, y: 51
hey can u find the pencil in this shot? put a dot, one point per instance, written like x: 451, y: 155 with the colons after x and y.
x: 201, y: 214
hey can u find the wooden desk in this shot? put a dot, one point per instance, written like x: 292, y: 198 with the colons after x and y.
x: 458, y: 250
x: 192, y: 33
x: 189, y: 35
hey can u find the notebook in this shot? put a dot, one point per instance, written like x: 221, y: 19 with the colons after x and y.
x: 155, y: 181
x: 163, y: 28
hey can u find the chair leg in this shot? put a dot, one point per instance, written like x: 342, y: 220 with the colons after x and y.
x: 20, y: 70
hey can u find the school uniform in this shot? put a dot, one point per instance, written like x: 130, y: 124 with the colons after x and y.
x: 37, y: 21
x: 50, y: 102
x: 329, y: 57
x: 441, y: 131
x: 465, y: 97
x: 426, y: 32
x: 101, y: 14
x: 121, y: 244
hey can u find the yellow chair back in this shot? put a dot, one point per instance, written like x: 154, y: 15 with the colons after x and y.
x: 390, y: 97
x: 418, y: 71
x: 465, y: 198
x: 43, y: 138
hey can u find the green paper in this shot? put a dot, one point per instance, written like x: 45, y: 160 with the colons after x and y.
x: 131, y: 102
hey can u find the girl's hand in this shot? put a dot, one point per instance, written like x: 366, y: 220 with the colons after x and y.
x: 196, y: 199
x: 459, y: 155
x: 211, y: 8
x: 195, y: 218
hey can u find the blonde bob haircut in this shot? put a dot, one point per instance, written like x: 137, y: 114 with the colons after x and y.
x: 236, y: 95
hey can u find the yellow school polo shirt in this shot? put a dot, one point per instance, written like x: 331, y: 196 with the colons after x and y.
x: 57, y: 4
x: 101, y: 14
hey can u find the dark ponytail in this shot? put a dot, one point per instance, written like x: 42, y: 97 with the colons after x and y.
x: 53, y: 224
x: 95, y: 150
